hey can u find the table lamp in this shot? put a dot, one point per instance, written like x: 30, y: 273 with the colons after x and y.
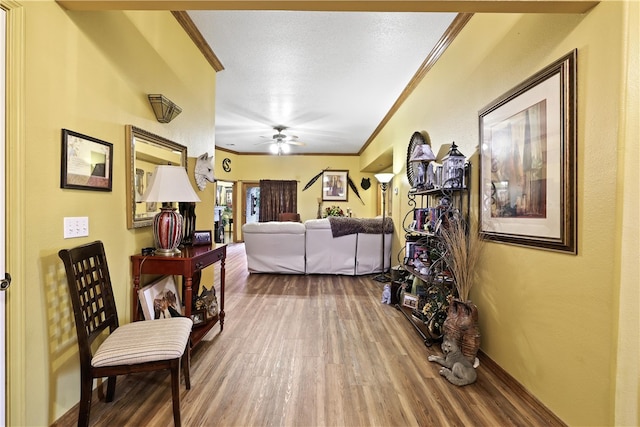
x: 170, y: 184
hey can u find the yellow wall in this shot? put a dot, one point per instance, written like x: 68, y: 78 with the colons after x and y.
x: 252, y: 168
x: 91, y: 73
x: 549, y: 319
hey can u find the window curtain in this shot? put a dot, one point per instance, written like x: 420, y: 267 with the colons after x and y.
x: 277, y: 197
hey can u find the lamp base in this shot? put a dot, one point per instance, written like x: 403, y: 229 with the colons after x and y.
x: 167, y: 252
x: 383, y: 277
x: 167, y: 231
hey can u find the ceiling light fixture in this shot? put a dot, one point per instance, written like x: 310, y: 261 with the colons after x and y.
x: 279, y: 148
x: 164, y: 109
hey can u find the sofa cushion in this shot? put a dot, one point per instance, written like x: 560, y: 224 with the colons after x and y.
x: 326, y: 254
x: 318, y: 223
x: 275, y: 247
x: 274, y: 227
x: 369, y: 253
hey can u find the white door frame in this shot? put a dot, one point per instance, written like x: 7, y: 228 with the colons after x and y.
x: 15, y: 199
x: 3, y: 347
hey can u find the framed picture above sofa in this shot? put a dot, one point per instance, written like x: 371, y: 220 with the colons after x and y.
x: 334, y: 185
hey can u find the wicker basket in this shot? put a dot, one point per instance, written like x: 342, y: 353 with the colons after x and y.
x: 462, y: 326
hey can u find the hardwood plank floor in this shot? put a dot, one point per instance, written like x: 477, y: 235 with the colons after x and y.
x: 315, y: 351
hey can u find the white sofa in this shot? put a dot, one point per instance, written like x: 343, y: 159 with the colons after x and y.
x: 275, y: 247
x: 310, y: 248
x: 326, y: 254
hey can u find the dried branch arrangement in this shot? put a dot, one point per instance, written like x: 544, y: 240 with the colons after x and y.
x: 463, y: 250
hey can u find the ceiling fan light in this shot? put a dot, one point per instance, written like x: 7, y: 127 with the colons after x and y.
x: 285, y: 148
x: 274, y: 148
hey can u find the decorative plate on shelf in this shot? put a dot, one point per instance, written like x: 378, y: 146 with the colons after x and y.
x: 412, y: 167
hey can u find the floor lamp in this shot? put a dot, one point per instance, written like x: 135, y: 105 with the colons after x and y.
x: 383, y: 179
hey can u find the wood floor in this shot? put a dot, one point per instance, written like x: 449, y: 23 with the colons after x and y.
x: 315, y: 351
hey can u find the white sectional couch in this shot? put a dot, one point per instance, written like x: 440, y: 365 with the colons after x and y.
x: 327, y: 254
x: 275, y: 247
x: 310, y: 248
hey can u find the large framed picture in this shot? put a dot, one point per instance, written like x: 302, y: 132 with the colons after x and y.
x: 86, y: 162
x: 528, y: 161
x: 160, y: 299
x: 334, y: 185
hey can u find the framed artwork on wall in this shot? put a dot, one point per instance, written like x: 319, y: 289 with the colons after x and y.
x: 86, y: 162
x: 334, y: 185
x: 528, y: 161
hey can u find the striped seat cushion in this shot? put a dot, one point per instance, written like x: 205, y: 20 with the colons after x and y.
x: 144, y: 341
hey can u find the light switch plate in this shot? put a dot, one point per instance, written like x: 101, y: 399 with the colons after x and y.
x: 76, y: 226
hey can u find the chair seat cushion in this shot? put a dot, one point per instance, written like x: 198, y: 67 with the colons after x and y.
x: 144, y: 341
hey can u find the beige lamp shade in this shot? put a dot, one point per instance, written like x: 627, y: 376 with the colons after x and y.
x: 384, y: 178
x: 422, y: 153
x: 170, y: 184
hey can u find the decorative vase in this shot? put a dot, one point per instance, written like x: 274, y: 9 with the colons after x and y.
x: 462, y: 326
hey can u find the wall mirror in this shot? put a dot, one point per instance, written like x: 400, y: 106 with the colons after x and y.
x: 144, y: 152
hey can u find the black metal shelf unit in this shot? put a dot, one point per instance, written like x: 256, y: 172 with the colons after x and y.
x: 423, y: 255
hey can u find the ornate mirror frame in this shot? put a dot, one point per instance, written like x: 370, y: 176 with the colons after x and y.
x: 145, y: 151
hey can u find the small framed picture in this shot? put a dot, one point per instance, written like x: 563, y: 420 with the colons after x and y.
x: 198, y: 317
x: 87, y: 162
x: 160, y: 299
x: 410, y: 301
x: 201, y: 237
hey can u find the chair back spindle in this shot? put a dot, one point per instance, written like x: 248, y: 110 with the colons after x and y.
x: 91, y: 294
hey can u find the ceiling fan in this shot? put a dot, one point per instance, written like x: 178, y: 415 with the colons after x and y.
x: 280, y: 143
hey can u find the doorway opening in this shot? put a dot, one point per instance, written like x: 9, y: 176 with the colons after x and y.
x: 250, y: 203
x: 224, y: 212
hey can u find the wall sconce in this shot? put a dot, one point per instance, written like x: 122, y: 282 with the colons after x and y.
x: 164, y: 109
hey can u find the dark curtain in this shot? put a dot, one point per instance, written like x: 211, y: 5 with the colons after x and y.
x: 277, y: 197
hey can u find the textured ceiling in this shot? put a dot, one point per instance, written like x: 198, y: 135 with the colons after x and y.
x: 329, y: 77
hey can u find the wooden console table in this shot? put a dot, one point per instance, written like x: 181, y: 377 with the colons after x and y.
x: 188, y: 264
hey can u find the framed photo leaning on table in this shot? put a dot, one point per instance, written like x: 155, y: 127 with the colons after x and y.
x: 160, y: 299
x: 528, y: 161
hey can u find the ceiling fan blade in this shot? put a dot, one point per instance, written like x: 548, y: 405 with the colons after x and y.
x: 295, y: 143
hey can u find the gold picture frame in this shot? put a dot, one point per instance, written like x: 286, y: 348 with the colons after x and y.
x: 335, y: 185
x: 528, y: 161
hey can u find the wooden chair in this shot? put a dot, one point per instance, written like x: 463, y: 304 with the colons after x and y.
x: 289, y: 216
x: 135, y: 347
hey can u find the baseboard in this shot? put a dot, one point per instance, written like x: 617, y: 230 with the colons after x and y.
x: 521, y: 391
